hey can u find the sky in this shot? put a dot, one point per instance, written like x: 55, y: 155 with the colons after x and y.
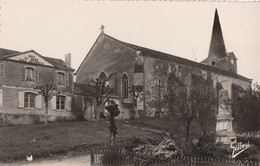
x: 54, y: 28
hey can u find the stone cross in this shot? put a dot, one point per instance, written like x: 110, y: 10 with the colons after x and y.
x: 102, y: 28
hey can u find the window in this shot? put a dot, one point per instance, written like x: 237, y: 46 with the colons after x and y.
x: 125, y: 86
x: 30, y: 74
x: 60, y: 102
x: 102, y: 76
x: 29, y: 100
x: 61, y: 78
x: 213, y: 63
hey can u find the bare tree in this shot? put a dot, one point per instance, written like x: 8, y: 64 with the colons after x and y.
x: 47, y: 91
x: 188, y: 98
x: 102, y: 92
x: 137, y: 93
x: 157, y: 100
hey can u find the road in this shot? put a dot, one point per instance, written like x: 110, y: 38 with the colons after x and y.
x: 74, y: 161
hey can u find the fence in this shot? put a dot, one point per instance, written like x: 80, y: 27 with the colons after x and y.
x: 120, y: 157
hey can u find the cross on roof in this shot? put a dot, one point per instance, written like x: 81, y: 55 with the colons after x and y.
x: 102, y: 28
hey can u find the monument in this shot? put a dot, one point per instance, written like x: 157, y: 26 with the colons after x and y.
x: 224, y: 119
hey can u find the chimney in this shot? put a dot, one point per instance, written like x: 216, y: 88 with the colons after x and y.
x: 68, y: 59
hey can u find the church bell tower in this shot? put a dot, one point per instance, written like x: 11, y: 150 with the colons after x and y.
x: 218, y: 56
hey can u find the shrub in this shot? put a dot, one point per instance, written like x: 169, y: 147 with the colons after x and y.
x: 253, y: 152
x: 147, y: 153
x: 206, y: 146
x: 167, y: 148
x: 133, y: 143
x: 144, y: 154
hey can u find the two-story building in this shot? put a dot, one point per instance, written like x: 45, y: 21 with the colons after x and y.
x: 20, y: 73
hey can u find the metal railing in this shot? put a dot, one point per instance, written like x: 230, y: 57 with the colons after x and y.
x: 120, y: 157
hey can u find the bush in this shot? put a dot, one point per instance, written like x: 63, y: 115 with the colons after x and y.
x: 147, y: 153
x: 252, y: 140
x: 205, y: 146
x: 253, y: 152
x: 133, y: 143
x: 144, y: 154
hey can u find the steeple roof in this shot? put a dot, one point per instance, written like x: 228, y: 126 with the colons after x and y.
x: 217, y: 45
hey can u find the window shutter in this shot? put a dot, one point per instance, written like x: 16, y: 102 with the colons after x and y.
x: 55, y: 78
x: 20, y: 99
x: 83, y: 102
x: 53, y: 103
x: 1, y: 69
x: 36, y: 75
x: 39, y: 102
x: 1, y: 98
x: 23, y: 73
x: 67, y: 79
x: 68, y: 103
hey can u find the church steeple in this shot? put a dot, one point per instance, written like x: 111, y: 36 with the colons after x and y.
x: 217, y: 46
x: 218, y: 56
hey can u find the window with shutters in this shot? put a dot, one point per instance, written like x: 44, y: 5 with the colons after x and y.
x: 29, y: 100
x: 125, y: 86
x: 30, y: 74
x: 60, y: 102
x: 1, y: 70
x: 61, y: 78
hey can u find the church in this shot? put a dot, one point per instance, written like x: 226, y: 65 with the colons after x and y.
x: 136, y: 66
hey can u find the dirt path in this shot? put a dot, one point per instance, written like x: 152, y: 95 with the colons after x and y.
x: 74, y: 161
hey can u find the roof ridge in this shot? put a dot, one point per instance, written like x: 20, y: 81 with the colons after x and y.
x: 122, y: 42
x: 133, y: 46
x: 9, y: 49
x: 136, y: 47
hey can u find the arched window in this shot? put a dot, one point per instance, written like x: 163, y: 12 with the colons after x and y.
x: 125, y: 86
x: 102, y: 76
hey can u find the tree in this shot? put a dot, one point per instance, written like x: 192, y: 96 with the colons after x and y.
x: 47, y: 91
x: 188, y: 98
x: 246, y: 108
x: 155, y: 96
x: 113, y: 112
x: 207, y: 106
x: 102, y: 92
x: 137, y: 93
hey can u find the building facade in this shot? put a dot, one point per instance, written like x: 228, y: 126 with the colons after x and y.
x: 136, y: 66
x: 20, y: 73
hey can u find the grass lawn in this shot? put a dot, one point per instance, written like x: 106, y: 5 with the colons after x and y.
x: 172, y: 126
x: 60, y: 139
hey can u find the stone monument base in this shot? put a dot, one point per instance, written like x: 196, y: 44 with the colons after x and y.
x: 225, y: 137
